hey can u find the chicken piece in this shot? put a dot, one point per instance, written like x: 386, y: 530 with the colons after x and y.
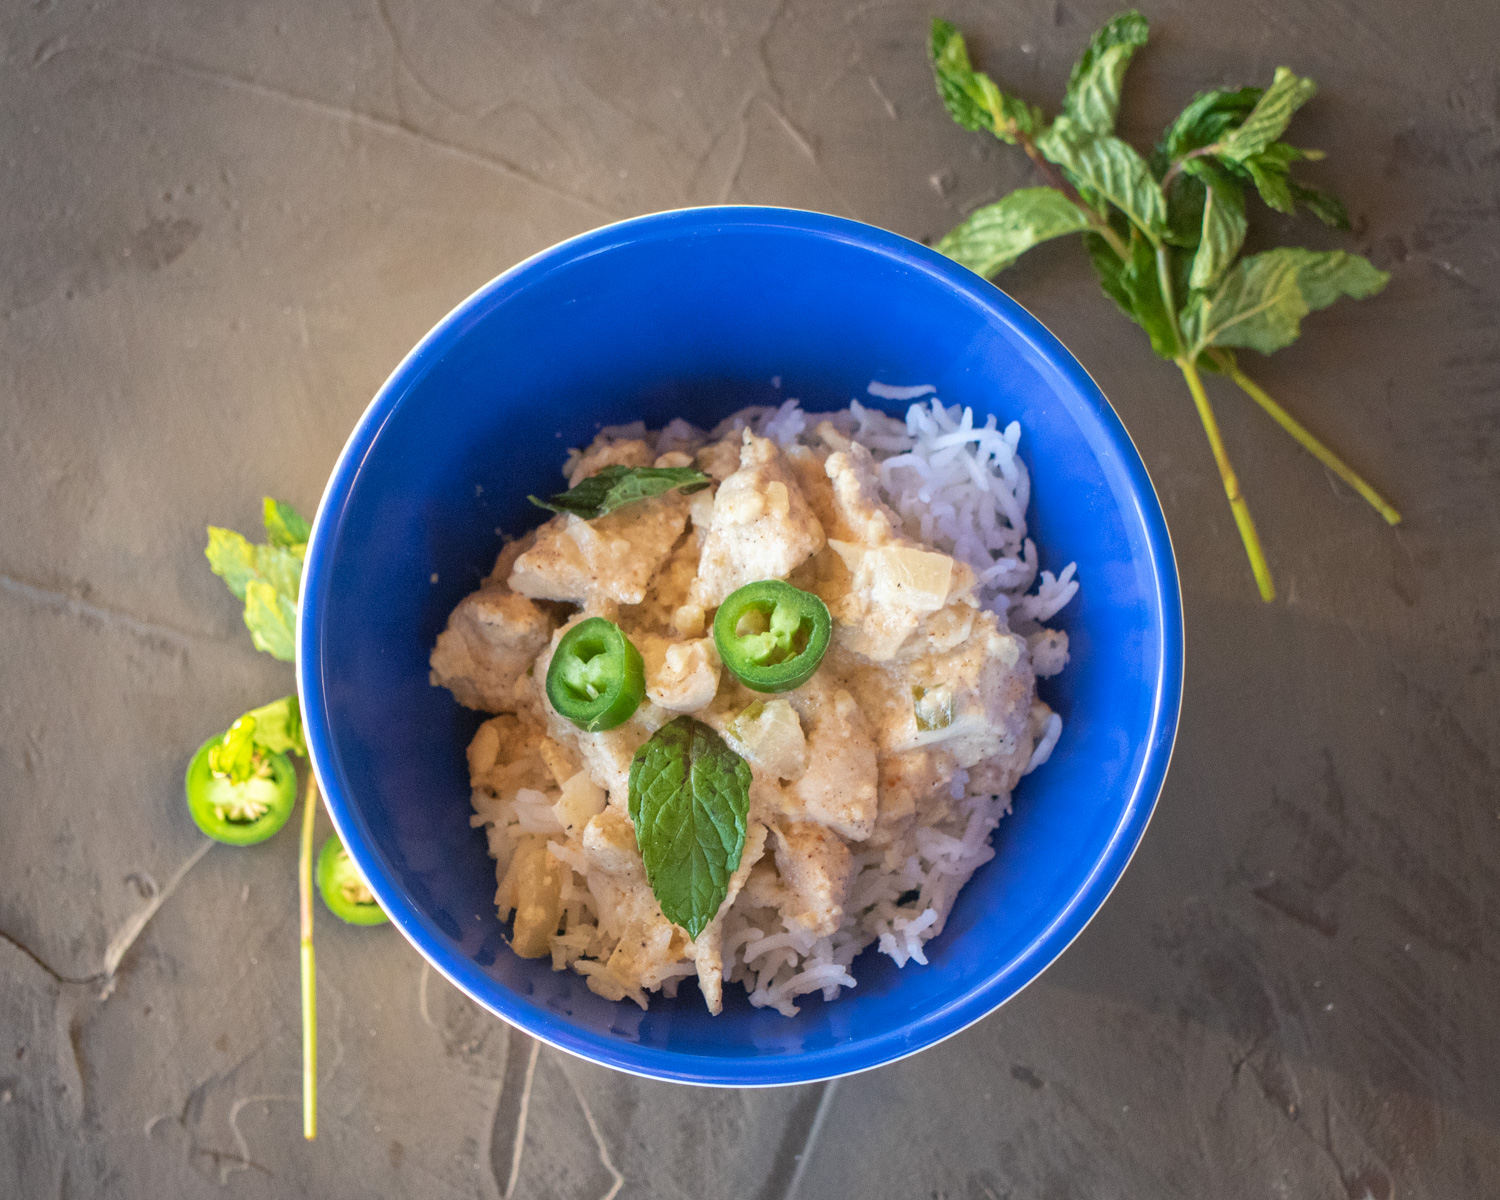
x: 646, y: 943
x: 607, y: 560
x: 768, y: 735
x: 681, y: 677
x: 503, y: 756
x: 976, y: 698
x: 562, y: 763
x: 666, y: 593
x: 891, y: 589
x: 608, y: 452
x: 816, y: 867
x: 808, y: 465
x: 762, y: 527
x: 491, y: 638
x: 720, y: 459
x: 532, y: 888
x: 860, y: 516
x: 707, y: 952
x: 581, y: 801
x: 839, y: 787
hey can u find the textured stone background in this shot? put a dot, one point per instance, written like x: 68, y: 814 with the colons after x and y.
x: 222, y: 224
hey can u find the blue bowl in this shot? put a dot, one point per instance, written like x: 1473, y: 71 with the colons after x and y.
x: 697, y: 313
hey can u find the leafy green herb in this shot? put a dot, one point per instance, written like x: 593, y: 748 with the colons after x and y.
x: 689, y: 799
x: 1165, y: 236
x: 615, y: 486
x: 1093, y: 96
x: 266, y: 577
x: 274, y: 728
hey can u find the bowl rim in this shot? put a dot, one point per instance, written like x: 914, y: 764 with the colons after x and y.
x: 850, y: 1057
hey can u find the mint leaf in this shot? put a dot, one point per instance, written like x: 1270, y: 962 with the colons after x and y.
x: 285, y: 526
x: 1224, y: 225
x: 274, y: 728
x: 971, y: 97
x: 1270, y: 116
x: 271, y: 619
x: 1109, y: 269
x: 1110, y: 169
x: 1260, y: 302
x: 615, y: 486
x: 231, y: 558
x: 1093, y: 96
x: 1326, y: 207
x: 1207, y: 118
x: 278, y: 727
x: 689, y: 800
x: 993, y: 237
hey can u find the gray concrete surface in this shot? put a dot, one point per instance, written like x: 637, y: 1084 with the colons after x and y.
x: 222, y: 224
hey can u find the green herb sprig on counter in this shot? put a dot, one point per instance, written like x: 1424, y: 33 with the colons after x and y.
x: 241, y: 786
x: 1165, y: 234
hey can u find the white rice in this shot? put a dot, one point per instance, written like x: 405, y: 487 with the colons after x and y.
x: 962, y: 488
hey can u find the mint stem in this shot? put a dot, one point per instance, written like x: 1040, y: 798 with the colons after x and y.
x: 309, y: 971
x: 1237, y: 503
x: 1305, y: 439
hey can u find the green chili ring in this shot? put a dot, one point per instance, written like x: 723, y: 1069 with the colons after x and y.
x: 771, y: 635
x: 267, y: 798
x: 344, y: 889
x: 596, y: 677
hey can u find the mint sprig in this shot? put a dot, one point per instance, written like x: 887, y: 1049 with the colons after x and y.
x: 1165, y: 234
x: 689, y: 800
x: 615, y: 486
x: 265, y: 576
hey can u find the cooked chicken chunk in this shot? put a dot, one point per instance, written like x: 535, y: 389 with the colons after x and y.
x: 680, y: 676
x: 838, y: 788
x: 608, y: 560
x: 491, y: 639
x: 646, y: 943
x: 607, y: 452
x: 707, y: 951
x: 762, y: 527
x: 816, y: 867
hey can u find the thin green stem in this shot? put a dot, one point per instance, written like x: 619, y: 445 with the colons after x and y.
x: 1237, y: 503
x: 1305, y: 439
x: 1176, y: 167
x: 1164, y: 278
x: 309, y: 971
x: 1055, y: 179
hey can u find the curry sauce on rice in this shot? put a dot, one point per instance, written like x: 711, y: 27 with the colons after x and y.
x: 760, y: 696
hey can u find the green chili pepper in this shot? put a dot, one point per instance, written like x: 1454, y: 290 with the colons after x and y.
x: 596, y: 678
x: 772, y: 635
x: 344, y: 889
x: 241, y: 814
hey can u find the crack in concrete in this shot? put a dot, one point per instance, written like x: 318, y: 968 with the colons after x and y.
x: 151, y: 632
x: 814, y: 1130
x: 43, y: 966
x: 588, y: 1115
x: 120, y: 944
x: 518, y: 1145
x: 391, y: 128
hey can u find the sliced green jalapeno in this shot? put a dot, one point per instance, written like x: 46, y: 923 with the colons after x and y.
x: 596, y: 678
x: 772, y: 635
x: 241, y: 814
x: 344, y: 889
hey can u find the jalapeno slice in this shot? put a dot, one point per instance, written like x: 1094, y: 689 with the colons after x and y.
x: 772, y: 635
x: 240, y: 814
x: 344, y: 889
x: 596, y: 678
